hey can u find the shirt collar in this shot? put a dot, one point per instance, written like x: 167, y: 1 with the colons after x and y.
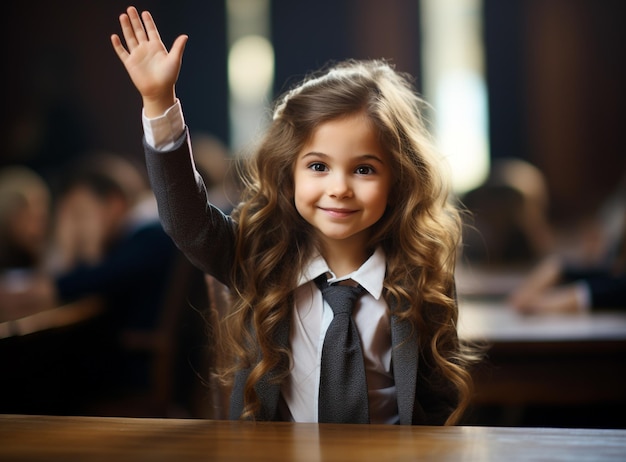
x: 370, y: 275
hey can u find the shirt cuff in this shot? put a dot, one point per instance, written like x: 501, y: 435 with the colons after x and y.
x: 162, y: 132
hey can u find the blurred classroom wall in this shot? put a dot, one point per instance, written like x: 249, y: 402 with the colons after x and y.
x: 554, y: 69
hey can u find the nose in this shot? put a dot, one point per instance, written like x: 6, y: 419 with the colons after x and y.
x: 339, y: 185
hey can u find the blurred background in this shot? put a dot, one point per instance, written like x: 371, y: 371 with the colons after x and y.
x: 553, y: 73
x: 536, y: 83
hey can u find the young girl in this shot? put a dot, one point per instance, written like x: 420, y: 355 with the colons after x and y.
x: 345, y: 184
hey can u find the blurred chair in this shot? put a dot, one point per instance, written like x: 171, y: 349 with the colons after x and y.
x: 217, y: 393
x: 162, y: 342
x: 164, y: 346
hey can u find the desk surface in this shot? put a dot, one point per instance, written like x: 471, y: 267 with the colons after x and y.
x: 35, y: 438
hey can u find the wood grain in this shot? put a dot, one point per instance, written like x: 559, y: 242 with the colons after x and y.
x: 50, y: 438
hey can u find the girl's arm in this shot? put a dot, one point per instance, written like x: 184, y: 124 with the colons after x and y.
x: 205, y: 235
x: 201, y: 231
x: 151, y: 67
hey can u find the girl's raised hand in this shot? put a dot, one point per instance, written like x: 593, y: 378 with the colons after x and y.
x: 151, y: 67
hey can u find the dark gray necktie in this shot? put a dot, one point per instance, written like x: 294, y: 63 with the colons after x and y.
x: 343, y: 387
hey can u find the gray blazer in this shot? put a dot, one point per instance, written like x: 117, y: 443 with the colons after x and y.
x: 207, y: 237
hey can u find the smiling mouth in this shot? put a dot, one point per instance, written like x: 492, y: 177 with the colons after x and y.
x: 338, y: 213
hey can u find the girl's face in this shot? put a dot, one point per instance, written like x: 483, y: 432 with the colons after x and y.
x: 342, y: 180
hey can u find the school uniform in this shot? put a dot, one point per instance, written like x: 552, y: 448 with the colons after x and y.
x: 402, y: 387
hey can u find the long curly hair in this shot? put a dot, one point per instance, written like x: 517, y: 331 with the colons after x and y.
x: 419, y: 232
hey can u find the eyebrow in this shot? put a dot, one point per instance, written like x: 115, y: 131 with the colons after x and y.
x: 361, y: 158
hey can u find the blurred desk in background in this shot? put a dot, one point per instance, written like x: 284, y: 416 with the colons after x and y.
x: 496, y: 322
x: 478, y: 282
x: 47, y: 357
x: 562, y: 361
x: 53, y: 318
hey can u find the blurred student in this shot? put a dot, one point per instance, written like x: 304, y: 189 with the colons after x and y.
x: 110, y: 243
x: 507, y: 230
x: 24, y: 217
x: 109, y: 238
x: 25, y: 202
x: 510, y: 227
x: 594, y: 277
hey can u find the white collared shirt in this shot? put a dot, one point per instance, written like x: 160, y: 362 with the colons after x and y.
x: 312, y: 316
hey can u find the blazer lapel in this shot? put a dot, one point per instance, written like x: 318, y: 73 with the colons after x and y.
x: 404, y: 355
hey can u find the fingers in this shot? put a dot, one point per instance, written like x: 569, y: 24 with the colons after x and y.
x: 118, y: 47
x: 133, y: 28
x: 178, y: 47
x: 127, y: 31
x: 138, y: 30
x: 153, y: 33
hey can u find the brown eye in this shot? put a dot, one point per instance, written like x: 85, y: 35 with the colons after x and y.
x: 317, y: 167
x: 364, y: 170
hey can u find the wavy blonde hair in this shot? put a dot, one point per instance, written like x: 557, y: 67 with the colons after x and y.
x: 420, y: 230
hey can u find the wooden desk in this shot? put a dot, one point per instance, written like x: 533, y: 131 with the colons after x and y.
x: 67, y: 439
x: 558, y: 360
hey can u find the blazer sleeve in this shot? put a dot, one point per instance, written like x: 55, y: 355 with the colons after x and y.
x: 200, y: 230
